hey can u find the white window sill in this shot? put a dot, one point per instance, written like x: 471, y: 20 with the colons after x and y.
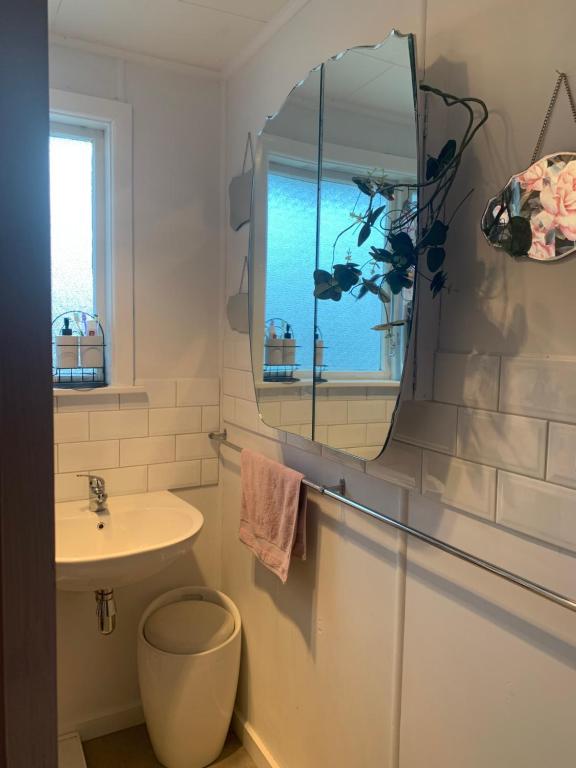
x: 332, y: 384
x: 108, y: 390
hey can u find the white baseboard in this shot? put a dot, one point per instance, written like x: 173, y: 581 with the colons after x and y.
x: 70, y: 753
x: 109, y: 722
x: 252, y: 743
x: 126, y: 718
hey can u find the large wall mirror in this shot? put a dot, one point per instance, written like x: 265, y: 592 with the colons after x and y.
x: 328, y: 366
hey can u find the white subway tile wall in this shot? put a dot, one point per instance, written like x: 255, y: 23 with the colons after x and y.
x: 428, y: 424
x: 544, y: 387
x: 499, y: 442
x: 82, y: 457
x: 154, y: 440
x: 147, y: 450
x: 470, y: 380
x: 198, y: 392
x: 344, y: 423
x: 174, y: 421
x: 400, y: 464
x: 178, y: 474
x: 347, y: 435
x: 106, y: 425
x: 561, y: 465
x: 461, y: 484
x: 542, y: 510
x: 71, y: 427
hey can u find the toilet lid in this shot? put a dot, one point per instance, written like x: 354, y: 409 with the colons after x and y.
x: 188, y: 626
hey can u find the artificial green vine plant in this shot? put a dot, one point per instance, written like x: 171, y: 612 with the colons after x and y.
x: 394, y: 266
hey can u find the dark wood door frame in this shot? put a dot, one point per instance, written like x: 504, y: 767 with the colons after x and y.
x: 28, y: 728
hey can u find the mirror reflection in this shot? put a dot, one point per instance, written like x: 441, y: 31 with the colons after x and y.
x: 328, y: 362
x: 284, y: 229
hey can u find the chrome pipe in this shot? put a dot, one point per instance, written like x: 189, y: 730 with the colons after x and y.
x: 461, y: 554
x: 105, y: 611
x: 338, y: 494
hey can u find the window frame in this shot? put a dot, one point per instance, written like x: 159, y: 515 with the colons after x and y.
x: 114, y: 119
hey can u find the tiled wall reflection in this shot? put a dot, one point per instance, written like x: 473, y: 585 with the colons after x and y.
x: 498, y: 441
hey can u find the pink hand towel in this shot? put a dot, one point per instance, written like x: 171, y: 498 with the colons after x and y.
x: 273, y: 513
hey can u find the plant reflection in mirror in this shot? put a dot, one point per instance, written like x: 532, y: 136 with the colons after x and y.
x: 418, y: 230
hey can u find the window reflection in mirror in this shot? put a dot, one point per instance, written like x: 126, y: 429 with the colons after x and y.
x: 283, y: 246
x: 321, y: 369
x: 368, y: 131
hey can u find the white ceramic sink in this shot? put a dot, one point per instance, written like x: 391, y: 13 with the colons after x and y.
x: 141, y: 535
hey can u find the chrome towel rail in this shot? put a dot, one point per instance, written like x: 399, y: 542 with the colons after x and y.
x: 338, y: 494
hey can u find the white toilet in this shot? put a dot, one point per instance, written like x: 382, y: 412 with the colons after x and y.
x: 188, y: 663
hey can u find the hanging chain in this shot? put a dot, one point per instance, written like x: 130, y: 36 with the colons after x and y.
x: 562, y: 78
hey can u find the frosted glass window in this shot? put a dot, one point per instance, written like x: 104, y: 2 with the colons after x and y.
x: 343, y: 323
x: 72, y: 224
x: 289, y: 281
x: 291, y: 256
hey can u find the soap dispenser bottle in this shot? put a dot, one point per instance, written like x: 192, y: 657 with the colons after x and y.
x: 66, y: 347
x: 267, y: 344
x: 273, y: 346
x: 289, y: 347
x: 318, y: 350
x: 92, y: 345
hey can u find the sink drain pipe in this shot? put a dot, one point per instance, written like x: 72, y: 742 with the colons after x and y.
x: 105, y: 611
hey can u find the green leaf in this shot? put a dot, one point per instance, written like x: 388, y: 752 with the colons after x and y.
x: 370, y: 284
x: 520, y: 236
x: 436, y: 235
x: 447, y: 153
x: 380, y: 254
x: 321, y: 276
x: 346, y: 276
x: 438, y: 282
x: 375, y: 213
x: 432, y: 168
x: 364, y: 234
x: 364, y: 185
x: 322, y: 290
x: 397, y: 280
x: 435, y: 258
x: 374, y: 285
x: 362, y: 292
x: 331, y: 290
x: 387, y: 191
x: 402, y: 245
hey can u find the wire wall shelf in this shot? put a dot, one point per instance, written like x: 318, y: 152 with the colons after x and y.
x: 78, y: 351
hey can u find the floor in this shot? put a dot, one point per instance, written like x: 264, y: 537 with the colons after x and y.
x: 132, y: 749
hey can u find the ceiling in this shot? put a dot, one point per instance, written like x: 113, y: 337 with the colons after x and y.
x: 204, y: 33
x: 374, y: 81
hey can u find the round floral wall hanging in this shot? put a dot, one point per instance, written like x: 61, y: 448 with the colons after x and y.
x: 535, y: 214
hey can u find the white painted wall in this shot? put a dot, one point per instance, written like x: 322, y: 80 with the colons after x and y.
x: 176, y: 119
x: 177, y: 296
x: 480, y: 672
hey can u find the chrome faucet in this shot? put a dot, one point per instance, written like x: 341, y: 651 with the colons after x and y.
x: 98, y: 495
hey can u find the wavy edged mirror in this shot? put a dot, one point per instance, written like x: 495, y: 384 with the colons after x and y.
x: 329, y: 338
